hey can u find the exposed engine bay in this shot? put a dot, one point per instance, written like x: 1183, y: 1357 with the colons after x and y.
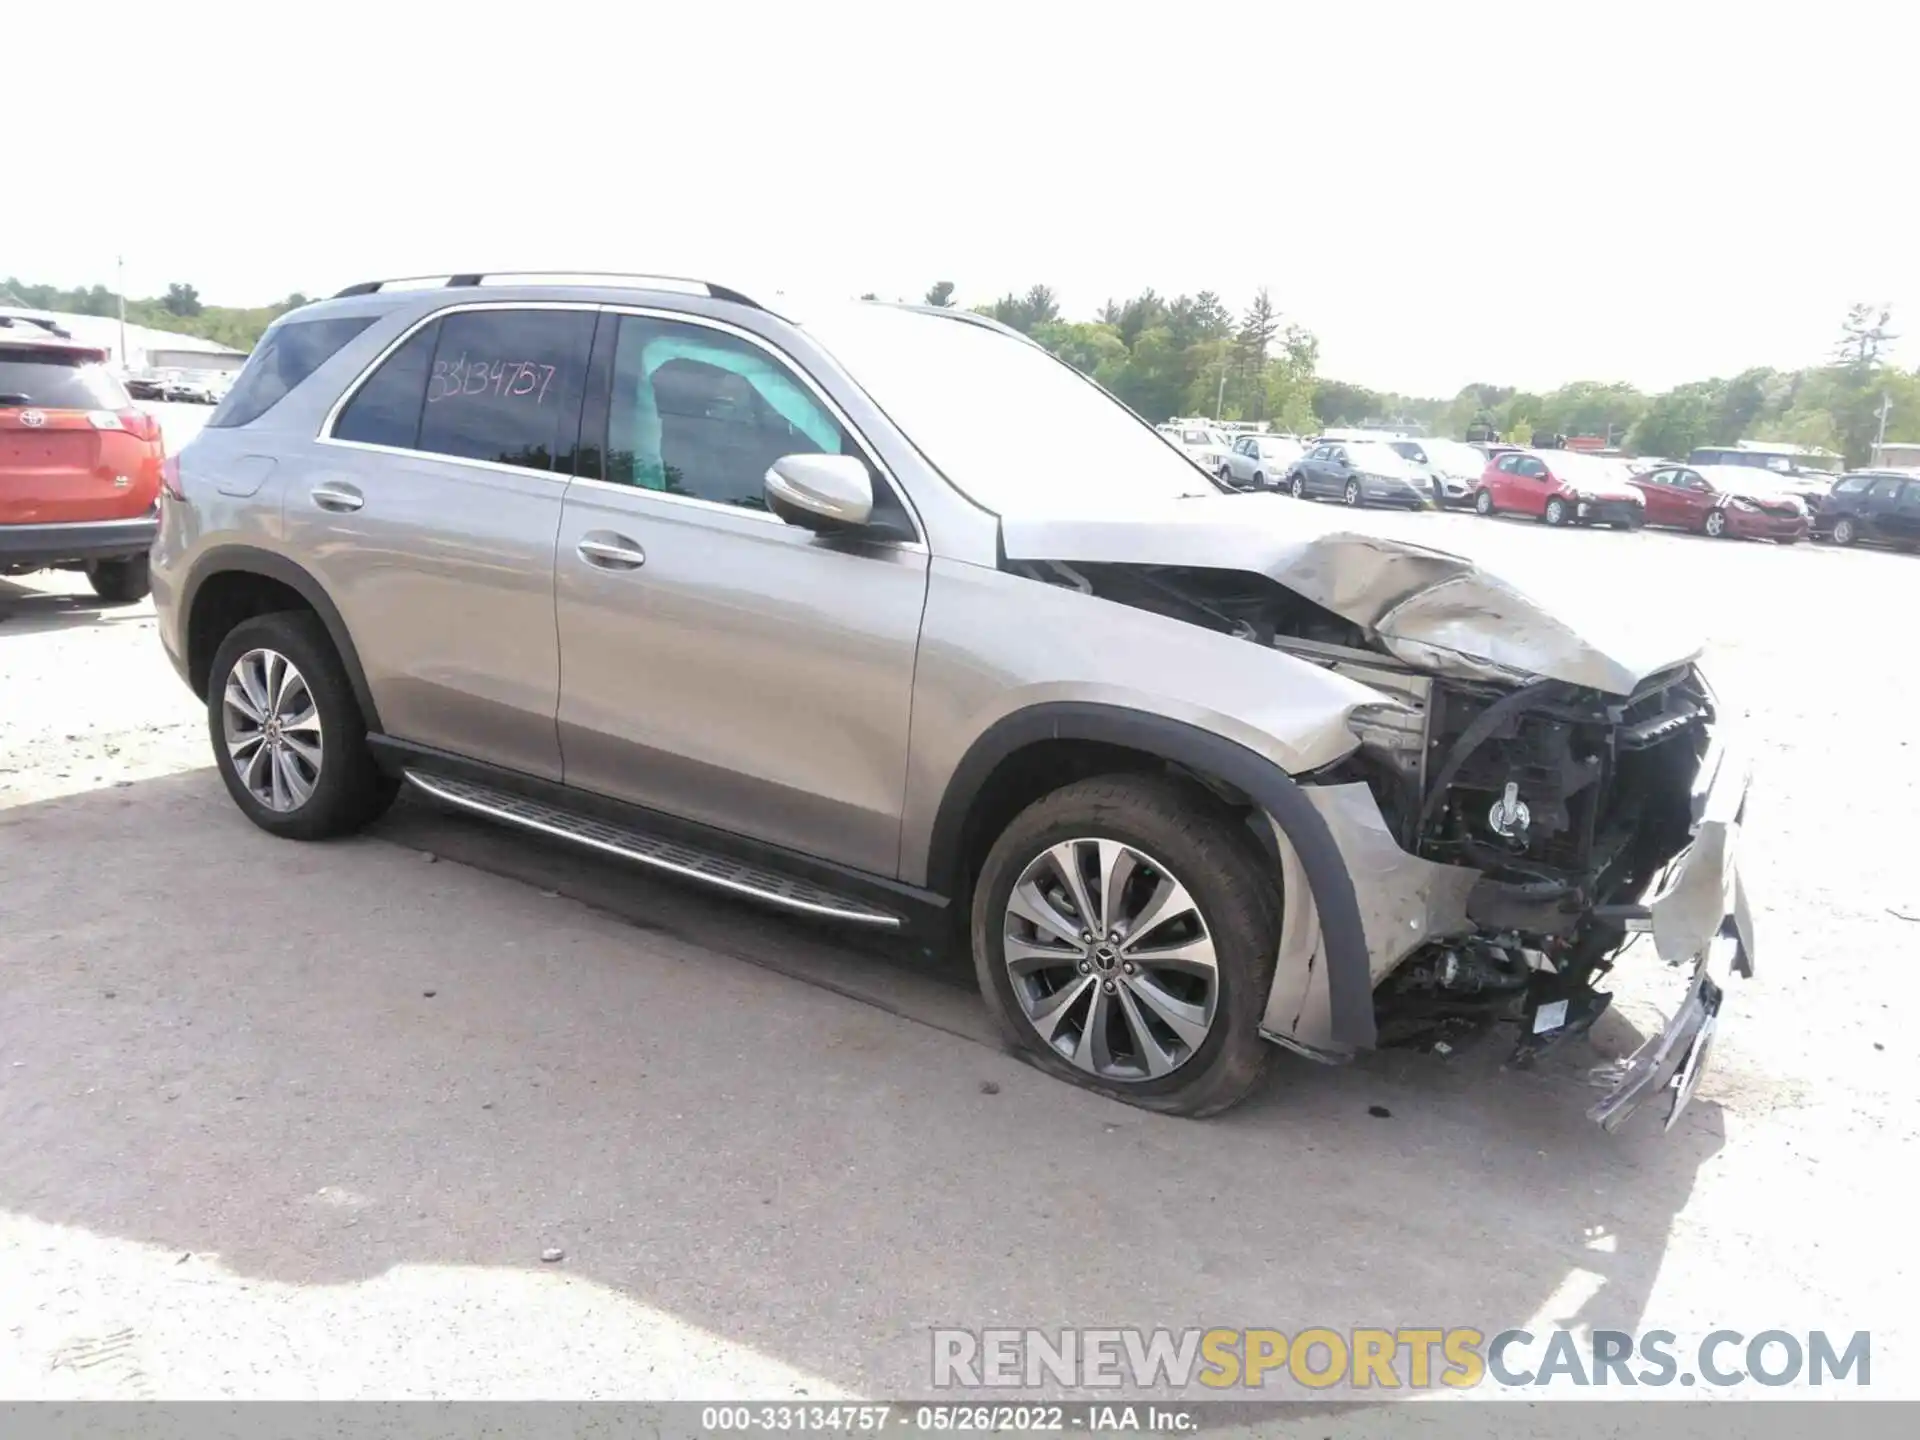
x: 1568, y: 802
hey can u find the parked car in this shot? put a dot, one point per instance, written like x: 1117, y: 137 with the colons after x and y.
x: 146, y: 387
x: 79, y: 466
x: 1561, y: 487
x: 1206, y: 447
x: 1872, y: 506
x: 1453, y: 466
x: 1717, y: 500
x: 1359, y: 472
x: 1788, y: 465
x: 1261, y: 462
x: 666, y: 574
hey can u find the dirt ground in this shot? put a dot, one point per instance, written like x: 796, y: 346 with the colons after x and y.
x: 295, y: 1121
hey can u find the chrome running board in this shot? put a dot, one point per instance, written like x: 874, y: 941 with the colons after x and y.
x: 677, y: 859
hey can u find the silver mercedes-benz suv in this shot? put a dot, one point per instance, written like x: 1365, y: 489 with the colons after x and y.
x: 883, y: 614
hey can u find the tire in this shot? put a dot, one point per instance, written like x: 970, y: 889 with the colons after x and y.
x: 1556, y: 511
x: 1299, y: 487
x: 119, y: 582
x: 1715, y: 525
x: 346, y: 790
x: 1184, y: 833
x: 1483, y: 503
x: 1845, y: 532
x: 1259, y: 481
x: 1352, y: 494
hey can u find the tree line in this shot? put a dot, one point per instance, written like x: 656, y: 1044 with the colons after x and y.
x: 1191, y: 355
x: 180, y: 310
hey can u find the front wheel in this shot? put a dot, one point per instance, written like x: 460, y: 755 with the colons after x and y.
x: 1299, y: 487
x: 1716, y: 523
x: 1483, y: 502
x: 119, y: 582
x: 1124, y: 932
x: 1844, y: 531
x: 287, y: 732
x: 1352, y: 493
x: 1556, y: 513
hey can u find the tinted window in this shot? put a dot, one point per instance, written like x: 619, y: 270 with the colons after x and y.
x: 1884, y: 489
x: 505, y: 386
x: 1533, y: 469
x: 1852, y: 485
x: 57, y: 380
x: 1910, y: 497
x: 386, y: 410
x: 701, y: 413
x: 286, y: 355
x: 1506, y: 463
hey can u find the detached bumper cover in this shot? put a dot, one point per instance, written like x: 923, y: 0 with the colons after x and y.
x: 77, y: 540
x: 1698, y: 916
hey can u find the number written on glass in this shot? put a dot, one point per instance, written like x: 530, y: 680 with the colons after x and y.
x: 514, y: 379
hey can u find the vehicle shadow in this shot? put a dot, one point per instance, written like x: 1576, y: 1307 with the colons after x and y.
x: 28, y: 611
x: 315, y: 1065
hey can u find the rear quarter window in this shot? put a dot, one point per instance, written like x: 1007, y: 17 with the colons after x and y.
x: 288, y: 354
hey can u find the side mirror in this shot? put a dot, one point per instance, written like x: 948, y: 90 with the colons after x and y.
x: 827, y: 493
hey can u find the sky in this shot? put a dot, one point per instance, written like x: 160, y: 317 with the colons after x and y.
x: 1523, y: 194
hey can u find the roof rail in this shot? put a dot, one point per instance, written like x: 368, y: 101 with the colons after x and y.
x: 612, y: 279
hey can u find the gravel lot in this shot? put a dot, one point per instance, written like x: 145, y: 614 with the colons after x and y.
x: 292, y: 1121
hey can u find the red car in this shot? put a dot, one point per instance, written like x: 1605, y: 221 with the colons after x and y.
x: 1561, y: 487
x: 1720, y: 500
x: 79, y: 465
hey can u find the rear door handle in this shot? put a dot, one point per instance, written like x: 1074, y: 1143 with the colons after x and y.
x: 605, y: 550
x: 337, y: 497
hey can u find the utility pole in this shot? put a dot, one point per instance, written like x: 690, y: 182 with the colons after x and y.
x: 1880, y: 439
x: 120, y: 289
x: 1220, y: 400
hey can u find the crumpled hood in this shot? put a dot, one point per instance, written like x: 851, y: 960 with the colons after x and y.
x: 1432, y: 608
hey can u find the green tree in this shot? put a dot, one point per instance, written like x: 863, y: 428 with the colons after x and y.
x: 1337, y: 403
x: 182, y: 300
x: 940, y: 293
x: 1863, y: 335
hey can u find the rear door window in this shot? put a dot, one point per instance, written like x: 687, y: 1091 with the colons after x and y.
x: 505, y: 386
x: 57, y: 379
x: 1884, y: 488
x: 385, y: 410
x: 286, y: 355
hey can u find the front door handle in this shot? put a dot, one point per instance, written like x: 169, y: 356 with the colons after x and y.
x: 606, y: 550
x: 337, y: 497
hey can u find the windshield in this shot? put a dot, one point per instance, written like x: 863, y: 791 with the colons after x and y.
x: 1011, y: 427
x: 1572, y: 466
x: 53, y: 380
x: 1378, y: 459
x: 1456, y: 457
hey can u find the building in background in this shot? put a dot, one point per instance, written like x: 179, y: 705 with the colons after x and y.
x: 148, y: 350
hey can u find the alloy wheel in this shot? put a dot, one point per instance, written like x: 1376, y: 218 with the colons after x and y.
x: 1110, y: 960
x: 271, y: 725
x: 1843, y: 531
x: 1716, y: 524
x: 1483, y: 503
x: 1299, y: 487
x: 1353, y: 492
x: 1556, y: 511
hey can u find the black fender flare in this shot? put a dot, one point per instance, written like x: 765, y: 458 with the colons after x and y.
x: 252, y: 560
x: 1349, y: 973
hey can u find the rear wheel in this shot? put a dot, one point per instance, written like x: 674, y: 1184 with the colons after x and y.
x: 287, y: 732
x: 1556, y: 513
x: 119, y: 582
x: 1483, y: 502
x: 1124, y: 934
x: 1845, y: 532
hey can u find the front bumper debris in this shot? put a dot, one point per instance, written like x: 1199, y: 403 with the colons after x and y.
x: 1699, y: 915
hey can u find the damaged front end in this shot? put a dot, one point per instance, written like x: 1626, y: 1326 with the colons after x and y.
x: 1508, y: 836
x: 1508, y: 844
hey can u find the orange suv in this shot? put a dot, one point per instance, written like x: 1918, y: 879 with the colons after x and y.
x: 79, y: 465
